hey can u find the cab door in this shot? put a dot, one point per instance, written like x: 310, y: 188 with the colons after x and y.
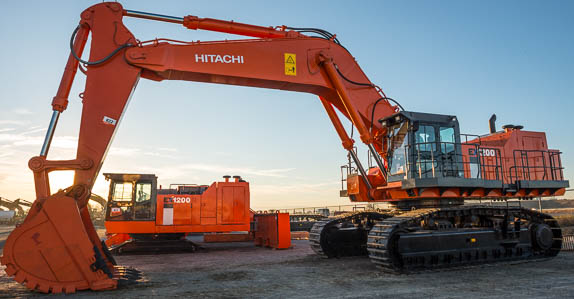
x: 120, y: 203
x: 144, y: 201
x: 132, y: 198
x: 424, y: 152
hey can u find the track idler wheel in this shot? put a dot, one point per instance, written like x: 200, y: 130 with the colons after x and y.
x: 57, y: 250
x: 543, y: 236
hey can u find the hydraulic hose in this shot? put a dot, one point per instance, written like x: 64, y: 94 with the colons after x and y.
x: 114, y: 52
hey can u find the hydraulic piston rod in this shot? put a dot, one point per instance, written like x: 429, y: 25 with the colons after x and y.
x: 152, y: 16
x: 50, y: 133
x: 378, y: 159
x: 361, y: 169
x: 195, y: 23
x: 347, y: 142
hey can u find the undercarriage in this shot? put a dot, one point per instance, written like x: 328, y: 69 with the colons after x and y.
x: 437, y: 238
x: 154, y: 244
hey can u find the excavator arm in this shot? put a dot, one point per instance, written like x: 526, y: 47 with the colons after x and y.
x: 57, y: 248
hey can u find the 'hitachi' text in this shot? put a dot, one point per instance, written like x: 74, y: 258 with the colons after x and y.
x: 214, y: 58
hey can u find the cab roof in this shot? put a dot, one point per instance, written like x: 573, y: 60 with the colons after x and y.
x: 417, y: 117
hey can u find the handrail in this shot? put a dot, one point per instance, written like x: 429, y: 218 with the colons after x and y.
x: 530, y: 172
x: 452, y: 163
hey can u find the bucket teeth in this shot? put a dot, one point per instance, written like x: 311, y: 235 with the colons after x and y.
x: 127, y: 276
x: 123, y: 276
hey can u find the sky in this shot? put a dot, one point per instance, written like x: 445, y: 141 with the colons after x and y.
x: 464, y: 58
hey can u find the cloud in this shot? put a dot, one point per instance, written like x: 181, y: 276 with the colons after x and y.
x: 124, y: 151
x: 11, y: 137
x: 7, y: 159
x: 237, y: 170
x: 178, y: 172
x: 23, y: 139
x: 5, y: 154
x: 133, y: 151
x: 223, y: 154
x: 7, y: 130
x: 295, y: 188
x: 12, y: 122
x: 22, y: 111
x: 33, y: 130
x: 62, y: 142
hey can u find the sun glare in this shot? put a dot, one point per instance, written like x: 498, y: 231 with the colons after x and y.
x: 61, y: 180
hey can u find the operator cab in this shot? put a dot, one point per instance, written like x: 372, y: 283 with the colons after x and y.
x: 422, y: 145
x: 132, y: 197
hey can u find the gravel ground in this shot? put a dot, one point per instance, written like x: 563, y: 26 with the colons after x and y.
x: 238, y: 270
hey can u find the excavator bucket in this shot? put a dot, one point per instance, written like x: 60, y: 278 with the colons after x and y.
x: 56, y: 249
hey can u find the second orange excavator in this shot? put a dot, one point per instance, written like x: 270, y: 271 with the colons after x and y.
x: 424, y: 166
x: 142, y: 217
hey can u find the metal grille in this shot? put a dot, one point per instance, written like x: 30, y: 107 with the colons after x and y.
x: 568, y: 243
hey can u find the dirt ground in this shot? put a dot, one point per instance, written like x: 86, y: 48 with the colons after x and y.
x: 239, y: 270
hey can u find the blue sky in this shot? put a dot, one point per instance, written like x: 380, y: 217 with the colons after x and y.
x: 470, y: 59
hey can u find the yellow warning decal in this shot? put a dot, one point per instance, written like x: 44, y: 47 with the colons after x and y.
x: 290, y: 64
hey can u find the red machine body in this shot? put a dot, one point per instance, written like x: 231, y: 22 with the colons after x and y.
x: 141, y: 217
x: 429, y: 160
x: 519, y: 155
x: 220, y: 207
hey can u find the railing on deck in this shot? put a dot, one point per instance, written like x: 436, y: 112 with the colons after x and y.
x: 447, y: 159
x: 529, y: 165
x: 336, y: 209
x: 471, y: 160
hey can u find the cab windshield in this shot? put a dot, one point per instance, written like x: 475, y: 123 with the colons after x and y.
x: 397, y: 149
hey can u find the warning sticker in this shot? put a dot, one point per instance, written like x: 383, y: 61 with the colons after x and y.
x: 290, y: 64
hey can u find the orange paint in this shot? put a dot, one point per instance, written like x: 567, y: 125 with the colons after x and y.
x: 221, y: 207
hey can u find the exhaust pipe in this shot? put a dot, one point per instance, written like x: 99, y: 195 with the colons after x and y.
x: 492, y: 124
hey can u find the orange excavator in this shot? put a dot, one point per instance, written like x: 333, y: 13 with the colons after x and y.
x: 423, y: 165
x: 140, y: 217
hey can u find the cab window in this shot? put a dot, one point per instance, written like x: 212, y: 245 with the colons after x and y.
x: 425, y: 147
x: 144, y: 207
x: 143, y: 192
x: 398, y: 147
x: 122, y: 192
x: 447, y: 139
x: 425, y: 138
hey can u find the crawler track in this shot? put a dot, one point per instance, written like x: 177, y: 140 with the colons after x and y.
x: 345, y: 235
x: 536, y: 236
